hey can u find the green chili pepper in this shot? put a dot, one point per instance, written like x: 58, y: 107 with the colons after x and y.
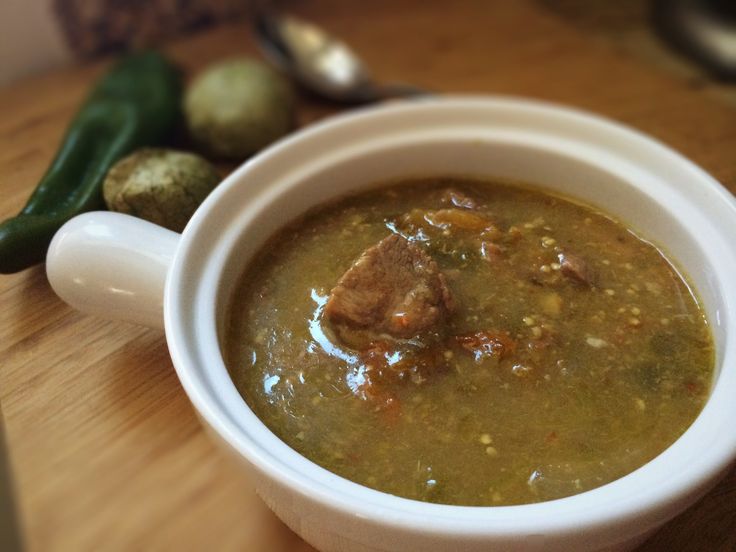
x: 136, y: 104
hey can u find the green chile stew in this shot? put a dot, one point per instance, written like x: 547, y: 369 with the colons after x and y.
x: 467, y: 342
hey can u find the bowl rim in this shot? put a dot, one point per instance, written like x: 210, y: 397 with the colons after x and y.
x: 381, y: 508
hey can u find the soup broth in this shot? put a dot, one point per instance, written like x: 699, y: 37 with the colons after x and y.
x: 543, y: 349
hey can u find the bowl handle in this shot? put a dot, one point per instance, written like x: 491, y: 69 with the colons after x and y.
x: 112, y: 265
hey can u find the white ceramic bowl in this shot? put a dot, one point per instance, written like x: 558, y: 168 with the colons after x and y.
x: 115, y: 266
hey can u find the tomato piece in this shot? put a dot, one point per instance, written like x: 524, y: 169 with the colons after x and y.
x: 487, y: 343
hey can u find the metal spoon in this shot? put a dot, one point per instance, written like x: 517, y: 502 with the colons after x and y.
x: 320, y: 62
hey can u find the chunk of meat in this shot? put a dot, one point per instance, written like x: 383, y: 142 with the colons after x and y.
x: 575, y: 268
x: 457, y: 198
x: 394, y: 288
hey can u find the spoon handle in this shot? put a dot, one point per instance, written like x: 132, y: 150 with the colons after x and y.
x: 401, y: 90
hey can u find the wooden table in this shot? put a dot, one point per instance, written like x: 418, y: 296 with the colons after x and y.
x: 105, y: 446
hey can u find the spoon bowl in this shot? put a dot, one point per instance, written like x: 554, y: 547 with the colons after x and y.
x: 320, y: 62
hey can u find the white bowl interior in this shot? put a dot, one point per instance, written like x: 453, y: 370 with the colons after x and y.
x: 647, y: 187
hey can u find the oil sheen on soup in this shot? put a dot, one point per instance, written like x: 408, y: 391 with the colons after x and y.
x: 467, y: 342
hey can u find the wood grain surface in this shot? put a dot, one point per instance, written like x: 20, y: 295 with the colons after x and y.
x: 106, y: 450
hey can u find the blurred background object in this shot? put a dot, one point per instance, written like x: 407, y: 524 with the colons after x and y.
x: 704, y: 30
x: 693, y: 38
x: 42, y: 34
x: 92, y: 27
x: 30, y: 40
x: 643, y: 29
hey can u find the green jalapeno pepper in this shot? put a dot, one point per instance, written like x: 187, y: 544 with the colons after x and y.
x: 136, y: 104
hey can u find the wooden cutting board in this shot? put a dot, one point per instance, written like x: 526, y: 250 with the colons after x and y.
x: 106, y: 450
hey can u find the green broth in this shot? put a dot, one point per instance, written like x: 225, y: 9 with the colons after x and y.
x: 602, y: 377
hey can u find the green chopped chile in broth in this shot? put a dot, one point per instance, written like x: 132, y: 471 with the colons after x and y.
x: 575, y: 352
